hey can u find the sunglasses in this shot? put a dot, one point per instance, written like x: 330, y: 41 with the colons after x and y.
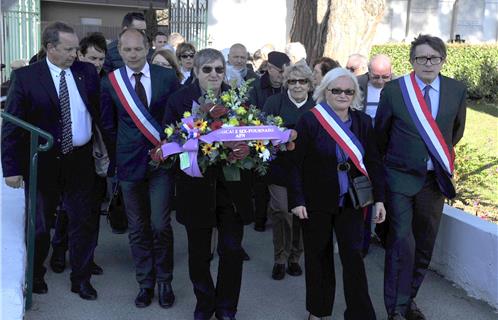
x: 186, y: 56
x: 208, y: 69
x: 385, y: 77
x: 294, y: 81
x: 337, y: 91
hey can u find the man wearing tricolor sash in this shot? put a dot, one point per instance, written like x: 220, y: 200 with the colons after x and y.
x: 420, y: 118
x: 134, y: 98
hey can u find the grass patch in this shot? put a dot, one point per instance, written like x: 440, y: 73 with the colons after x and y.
x: 477, y: 162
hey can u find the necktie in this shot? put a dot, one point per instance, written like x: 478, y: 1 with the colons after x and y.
x: 139, y: 88
x: 67, y: 134
x: 427, y: 98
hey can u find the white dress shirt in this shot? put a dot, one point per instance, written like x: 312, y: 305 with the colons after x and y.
x: 373, y: 97
x: 81, y: 121
x: 145, y: 80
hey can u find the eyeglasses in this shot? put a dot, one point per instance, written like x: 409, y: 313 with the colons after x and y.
x: 208, y: 69
x: 337, y: 91
x: 352, y: 69
x: 385, y: 77
x: 295, y: 81
x: 433, y: 60
x: 186, y: 56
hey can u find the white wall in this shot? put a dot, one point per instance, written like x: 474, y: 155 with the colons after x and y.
x: 466, y: 253
x: 250, y: 22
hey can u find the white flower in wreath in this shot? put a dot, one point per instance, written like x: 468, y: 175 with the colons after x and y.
x: 265, y: 155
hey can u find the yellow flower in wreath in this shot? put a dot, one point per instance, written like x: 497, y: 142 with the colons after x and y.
x: 200, y: 124
x: 225, y: 97
x: 208, y: 148
x: 260, y: 146
x: 241, y: 111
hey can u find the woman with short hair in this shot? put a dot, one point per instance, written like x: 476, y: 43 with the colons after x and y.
x: 290, y: 105
x: 185, y: 53
x: 320, y: 180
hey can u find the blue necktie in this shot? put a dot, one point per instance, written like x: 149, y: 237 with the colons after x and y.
x: 67, y: 134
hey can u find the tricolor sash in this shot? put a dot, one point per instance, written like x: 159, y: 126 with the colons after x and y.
x: 430, y: 133
x: 341, y: 134
x: 140, y: 115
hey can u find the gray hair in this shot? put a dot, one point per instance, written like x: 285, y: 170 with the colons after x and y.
x: 206, y: 56
x: 299, y: 69
x: 296, y: 51
x: 51, y: 33
x: 331, y: 76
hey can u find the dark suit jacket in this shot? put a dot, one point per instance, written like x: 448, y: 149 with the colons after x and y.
x: 313, y: 178
x: 262, y: 90
x: 129, y: 147
x: 404, y: 152
x: 33, y: 98
x: 280, y: 105
x: 198, y: 198
x: 363, y: 83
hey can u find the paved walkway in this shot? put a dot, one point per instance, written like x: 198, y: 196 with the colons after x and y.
x: 261, y: 297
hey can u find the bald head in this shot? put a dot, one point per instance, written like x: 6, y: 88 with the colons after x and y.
x: 380, y: 70
x: 357, y: 64
x: 133, y: 47
x: 237, y: 56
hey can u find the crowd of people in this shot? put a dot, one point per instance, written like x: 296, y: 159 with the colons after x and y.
x: 370, y: 147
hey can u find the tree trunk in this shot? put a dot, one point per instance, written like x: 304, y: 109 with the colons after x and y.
x: 336, y: 28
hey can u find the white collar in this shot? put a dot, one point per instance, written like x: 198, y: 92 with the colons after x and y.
x: 435, y: 84
x: 145, y: 71
x: 55, y: 69
x: 298, y: 104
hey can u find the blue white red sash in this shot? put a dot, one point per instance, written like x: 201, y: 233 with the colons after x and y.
x: 341, y: 134
x: 425, y: 123
x: 140, y: 115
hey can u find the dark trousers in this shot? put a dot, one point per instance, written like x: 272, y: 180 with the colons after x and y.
x: 223, y: 297
x: 367, y: 229
x: 413, y: 225
x: 60, y: 238
x: 261, y: 198
x: 147, y: 205
x: 319, y: 263
x: 70, y: 178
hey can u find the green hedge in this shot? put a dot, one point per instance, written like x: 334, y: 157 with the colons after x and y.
x: 476, y: 65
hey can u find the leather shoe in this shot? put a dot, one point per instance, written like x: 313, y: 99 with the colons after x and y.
x: 95, y: 269
x: 58, y: 260
x: 144, y: 297
x: 245, y: 256
x: 166, y: 295
x: 85, y: 290
x: 278, y: 272
x: 259, y: 227
x: 396, y: 316
x: 294, y: 269
x: 414, y: 312
x: 39, y: 286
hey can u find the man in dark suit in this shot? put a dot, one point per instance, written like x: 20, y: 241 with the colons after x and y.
x: 416, y: 182
x: 60, y: 96
x: 269, y: 84
x: 92, y: 49
x: 146, y: 188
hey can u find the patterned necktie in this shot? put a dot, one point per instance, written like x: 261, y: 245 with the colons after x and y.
x: 427, y: 98
x: 67, y: 134
x: 139, y: 88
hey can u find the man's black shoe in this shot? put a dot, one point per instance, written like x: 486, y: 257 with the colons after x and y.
x: 58, y: 260
x: 245, y: 256
x: 396, y: 316
x: 85, y: 290
x: 144, y: 297
x: 259, y: 227
x: 39, y: 286
x: 278, y: 272
x: 294, y: 269
x: 95, y: 269
x: 166, y: 295
x: 414, y: 313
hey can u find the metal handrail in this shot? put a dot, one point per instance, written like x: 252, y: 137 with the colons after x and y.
x: 33, y: 173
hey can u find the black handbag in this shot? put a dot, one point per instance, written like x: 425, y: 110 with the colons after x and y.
x: 360, y: 191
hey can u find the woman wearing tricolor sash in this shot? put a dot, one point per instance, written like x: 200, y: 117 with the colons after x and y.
x: 335, y: 144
